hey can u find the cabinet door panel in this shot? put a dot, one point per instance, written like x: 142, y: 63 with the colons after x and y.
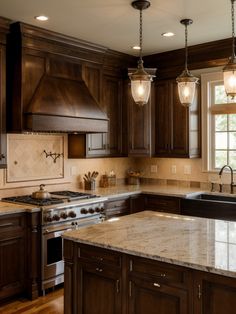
x: 3, y: 135
x: 139, y: 128
x: 11, y: 266
x: 99, y: 290
x: 214, y: 294
x: 112, y: 101
x: 152, y: 298
x: 162, y: 118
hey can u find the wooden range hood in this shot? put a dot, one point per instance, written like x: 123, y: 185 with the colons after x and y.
x: 46, y: 91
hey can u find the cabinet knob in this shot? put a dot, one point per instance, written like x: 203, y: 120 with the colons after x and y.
x: 99, y: 269
x: 2, y: 156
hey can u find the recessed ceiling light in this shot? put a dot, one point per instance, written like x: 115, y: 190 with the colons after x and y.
x: 168, y: 34
x: 41, y: 18
x: 136, y: 47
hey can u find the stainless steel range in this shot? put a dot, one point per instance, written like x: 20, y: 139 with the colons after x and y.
x: 64, y: 210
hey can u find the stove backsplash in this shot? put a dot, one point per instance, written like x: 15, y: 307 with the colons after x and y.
x: 28, y: 166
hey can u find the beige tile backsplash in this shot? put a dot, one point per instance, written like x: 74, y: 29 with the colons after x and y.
x: 28, y: 167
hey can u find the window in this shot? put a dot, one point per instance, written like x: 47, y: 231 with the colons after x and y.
x: 219, y: 124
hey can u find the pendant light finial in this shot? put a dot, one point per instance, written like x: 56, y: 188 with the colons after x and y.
x: 140, y: 79
x: 229, y: 71
x: 186, y: 81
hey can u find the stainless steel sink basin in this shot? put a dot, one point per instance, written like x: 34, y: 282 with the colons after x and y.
x: 214, y: 197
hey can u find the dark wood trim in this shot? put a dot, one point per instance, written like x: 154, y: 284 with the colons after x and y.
x: 171, y: 63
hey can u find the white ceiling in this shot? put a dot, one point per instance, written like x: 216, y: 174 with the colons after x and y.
x: 114, y: 23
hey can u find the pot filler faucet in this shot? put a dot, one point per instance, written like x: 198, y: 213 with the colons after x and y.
x: 232, y: 184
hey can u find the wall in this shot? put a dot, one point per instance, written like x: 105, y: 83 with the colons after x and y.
x: 25, y: 151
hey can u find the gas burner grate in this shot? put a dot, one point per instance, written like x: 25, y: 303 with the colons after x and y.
x: 28, y: 199
x: 72, y: 194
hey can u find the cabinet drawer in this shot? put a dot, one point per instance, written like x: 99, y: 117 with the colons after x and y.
x: 163, y: 203
x: 117, y: 207
x: 160, y: 272
x: 101, y: 256
x: 12, y: 223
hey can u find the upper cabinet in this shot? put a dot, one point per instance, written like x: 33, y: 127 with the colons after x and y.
x: 140, y: 126
x: 177, y: 128
x: 4, y: 28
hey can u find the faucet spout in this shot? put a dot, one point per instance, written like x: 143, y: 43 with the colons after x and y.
x: 232, y: 177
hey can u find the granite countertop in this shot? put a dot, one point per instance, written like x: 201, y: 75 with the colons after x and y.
x: 199, y: 243
x: 10, y: 208
x: 155, y: 189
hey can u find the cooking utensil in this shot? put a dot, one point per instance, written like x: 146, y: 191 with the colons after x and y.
x: 41, y: 193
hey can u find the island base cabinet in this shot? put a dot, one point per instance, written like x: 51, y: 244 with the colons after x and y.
x: 98, y: 290
x: 214, y: 294
x: 152, y: 298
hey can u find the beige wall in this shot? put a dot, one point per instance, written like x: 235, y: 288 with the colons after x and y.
x: 21, y: 148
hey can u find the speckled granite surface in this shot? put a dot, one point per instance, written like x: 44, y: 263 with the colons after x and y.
x: 122, y: 190
x: 10, y: 208
x: 198, y: 243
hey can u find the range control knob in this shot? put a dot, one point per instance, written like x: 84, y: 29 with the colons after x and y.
x: 91, y: 210
x: 48, y: 218
x: 64, y: 215
x: 97, y: 210
x: 84, y: 211
x: 56, y: 217
x: 72, y: 214
x: 102, y: 209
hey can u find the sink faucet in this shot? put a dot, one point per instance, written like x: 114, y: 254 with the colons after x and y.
x: 232, y: 184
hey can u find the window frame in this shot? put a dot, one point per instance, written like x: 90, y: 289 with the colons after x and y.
x: 209, y: 80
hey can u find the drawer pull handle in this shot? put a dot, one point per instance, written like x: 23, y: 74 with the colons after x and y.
x: 117, y: 286
x: 99, y: 269
x: 163, y: 275
x: 6, y: 225
x: 156, y: 285
x: 199, y: 292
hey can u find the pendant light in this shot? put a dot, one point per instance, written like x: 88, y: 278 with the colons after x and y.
x: 229, y: 70
x: 140, y: 79
x: 186, y: 81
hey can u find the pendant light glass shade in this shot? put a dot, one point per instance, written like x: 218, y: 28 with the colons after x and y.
x: 229, y: 71
x: 140, y: 79
x: 140, y: 85
x: 186, y: 81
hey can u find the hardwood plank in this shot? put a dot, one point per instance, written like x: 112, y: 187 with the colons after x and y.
x: 52, y: 303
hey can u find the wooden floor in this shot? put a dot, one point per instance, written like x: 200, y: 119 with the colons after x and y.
x: 52, y: 303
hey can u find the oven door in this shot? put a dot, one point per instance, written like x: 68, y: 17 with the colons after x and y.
x: 52, y: 257
x: 52, y: 249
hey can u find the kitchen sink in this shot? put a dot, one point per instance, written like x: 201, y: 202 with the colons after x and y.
x: 213, y: 197
x: 210, y: 205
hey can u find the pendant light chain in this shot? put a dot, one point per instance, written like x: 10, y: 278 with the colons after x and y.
x: 233, y: 29
x: 141, y: 34
x: 186, y: 47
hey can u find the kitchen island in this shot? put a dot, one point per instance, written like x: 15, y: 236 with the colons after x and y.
x: 151, y: 262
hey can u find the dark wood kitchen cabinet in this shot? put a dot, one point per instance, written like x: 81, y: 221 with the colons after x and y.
x: 12, y: 255
x: 119, y: 206
x: 4, y: 28
x: 107, y: 90
x: 177, y: 128
x: 161, y: 203
x: 214, y: 294
x: 99, y: 282
x: 156, y: 286
x: 140, y: 126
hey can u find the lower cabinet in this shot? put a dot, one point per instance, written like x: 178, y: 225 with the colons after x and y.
x: 104, y: 281
x: 214, y: 294
x: 12, y: 255
x: 158, y: 287
x: 117, y: 207
x: 99, y: 281
x: 169, y: 204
